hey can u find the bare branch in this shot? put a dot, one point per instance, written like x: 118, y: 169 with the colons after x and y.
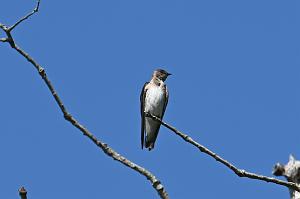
x: 3, y: 39
x: 23, y: 193
x: 106, y: 149
x: 239, y: 172
x: 9, y: 38
x: 36, y: 9
x: 291, y: 171
x: 3, y: 27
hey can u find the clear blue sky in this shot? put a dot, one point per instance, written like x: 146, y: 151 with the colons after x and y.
x: 234, y: 89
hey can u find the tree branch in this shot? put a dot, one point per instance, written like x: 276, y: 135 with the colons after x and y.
x: 23, y: 193
x: 4, y: 39
x: 239, y: 172
x: 291, y: 171
x: 106, y: 149
x: 36, y: 9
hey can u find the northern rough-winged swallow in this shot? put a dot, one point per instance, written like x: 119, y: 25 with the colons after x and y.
x: 154, y: 99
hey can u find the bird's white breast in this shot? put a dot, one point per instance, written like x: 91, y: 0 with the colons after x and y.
x: 154, y: 101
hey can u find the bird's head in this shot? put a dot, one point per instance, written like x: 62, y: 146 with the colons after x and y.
x: 161, y: 74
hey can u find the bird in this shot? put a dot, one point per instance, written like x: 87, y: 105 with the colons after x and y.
x: 154, y: 99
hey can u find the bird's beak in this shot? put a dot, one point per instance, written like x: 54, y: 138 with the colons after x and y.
x: 169, y: 74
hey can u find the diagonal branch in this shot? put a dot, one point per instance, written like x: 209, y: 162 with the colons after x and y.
x: 8, y: 30
x: 36, y: 9
x: 239, y: 172
x: 106, y: 149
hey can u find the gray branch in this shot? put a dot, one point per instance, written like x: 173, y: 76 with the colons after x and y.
x: 291, y: 171
x: 3, y: 39
x: 239, y: 172
x: 157, y: 185
x: 36, y: 9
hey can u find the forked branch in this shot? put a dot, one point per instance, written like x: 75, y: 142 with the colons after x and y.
x: 106, y: 149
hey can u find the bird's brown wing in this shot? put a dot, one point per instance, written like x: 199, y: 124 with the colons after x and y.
x: 166, y: 102
x: 142, y: 100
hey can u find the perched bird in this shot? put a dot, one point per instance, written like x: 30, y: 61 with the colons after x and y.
x: 154, y: 99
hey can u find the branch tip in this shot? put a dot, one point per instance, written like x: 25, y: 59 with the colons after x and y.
x: 36, y: 9
x: 4, y: 39
x: 23, y: 193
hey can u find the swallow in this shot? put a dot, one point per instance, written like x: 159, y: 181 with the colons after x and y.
x: 154, y: 99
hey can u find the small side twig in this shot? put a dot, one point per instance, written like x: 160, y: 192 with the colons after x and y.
x: 156, y: 184
x: 8, y: 30
x: 239, y: 172
x: 4, y: 39
x: 36, y: 9
x: 23, y: 193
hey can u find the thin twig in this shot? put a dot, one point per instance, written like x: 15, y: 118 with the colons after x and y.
x: 3, y: 39
x: 239, y: 172
x: 106, y: 149
x: 3, y: 27
x: 36, y: 9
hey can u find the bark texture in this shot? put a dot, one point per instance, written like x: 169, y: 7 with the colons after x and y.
x: 291, y: 171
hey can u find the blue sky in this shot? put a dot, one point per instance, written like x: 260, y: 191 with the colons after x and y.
x: 234, y: 89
